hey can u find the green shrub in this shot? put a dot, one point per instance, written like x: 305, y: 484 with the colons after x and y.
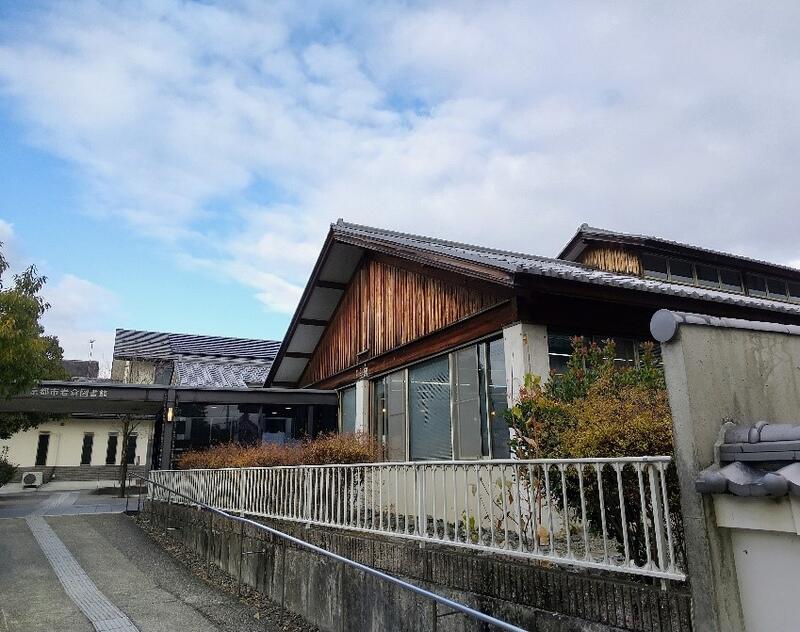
x: 597, y: 409
x: 7, y: 469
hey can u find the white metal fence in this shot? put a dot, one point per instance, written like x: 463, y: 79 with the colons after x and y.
x: 612, y: 514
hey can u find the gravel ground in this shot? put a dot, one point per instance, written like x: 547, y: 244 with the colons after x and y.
x: 262, y: 609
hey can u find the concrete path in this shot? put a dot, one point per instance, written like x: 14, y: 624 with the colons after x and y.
x: 61, y: 503
x: 156, y: 593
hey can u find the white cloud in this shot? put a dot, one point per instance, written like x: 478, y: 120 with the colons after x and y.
x: 79, y: 312
x: 505, y: 123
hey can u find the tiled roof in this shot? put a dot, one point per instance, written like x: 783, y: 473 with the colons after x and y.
x: 515, y: 262
x: 219, y: 374
x: 131, y: 343
x: 592, y: 231
x: 758, y: 460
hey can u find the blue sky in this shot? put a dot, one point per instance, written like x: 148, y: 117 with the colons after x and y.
x: 175, y: 165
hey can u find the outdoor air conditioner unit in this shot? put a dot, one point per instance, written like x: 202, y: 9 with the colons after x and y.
x: 32, y: 479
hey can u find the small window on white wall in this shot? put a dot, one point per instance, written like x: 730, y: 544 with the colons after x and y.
x: 347, y: 409
x: 86, y: 450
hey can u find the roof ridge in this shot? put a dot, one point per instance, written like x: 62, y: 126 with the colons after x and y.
x: 446, y: 242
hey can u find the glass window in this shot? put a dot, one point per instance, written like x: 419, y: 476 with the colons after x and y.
x: 396, y: 416
x: 347, y: 408
x: 379, y: 411
x: 42, y: 448
x: 248, y: 420
x: 731, y: 280
x: 680, y: 271
x: 471, y: 440
x: 654, y: 267
x: 498, y: 403
x: 624, y: 350
x: 794, y: 291
x: 220, y: 421
x: 756, y: 285
x: 560, y: 350
x: 86, y: 449
x: 776, y: 288
x: 707, y: 276
x: 131, y: 453
x: 111, y: 450
x: 429, y: 410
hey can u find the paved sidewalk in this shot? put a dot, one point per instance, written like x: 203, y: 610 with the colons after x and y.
x: 104, y: 615
x: 62, y: 503
x: 139, y: 578
x: 58, y: 486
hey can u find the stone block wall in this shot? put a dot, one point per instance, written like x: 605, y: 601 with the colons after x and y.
x: 336, y: 598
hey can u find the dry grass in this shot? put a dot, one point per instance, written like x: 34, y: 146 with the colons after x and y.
x: 329, y: 448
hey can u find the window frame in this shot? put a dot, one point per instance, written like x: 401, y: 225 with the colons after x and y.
x: 42, y: 462
x: 84, y: 451
x: 741, y: 288
x: 479, y: 343
x: 681, y: 281
x: 115, y: 436
x: 341, y: 392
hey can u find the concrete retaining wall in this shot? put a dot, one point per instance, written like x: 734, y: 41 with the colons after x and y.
x: 338, y: 599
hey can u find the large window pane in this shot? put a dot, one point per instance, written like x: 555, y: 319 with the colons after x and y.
x: 467, y: 419
x: 379, y: 411
x: 396, y: 416
x: 347, y: 406
x: 497, y: 399
x: 429, y: 410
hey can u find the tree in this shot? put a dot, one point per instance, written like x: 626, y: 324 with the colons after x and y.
x: 27, y: 355
x: 128, y: 426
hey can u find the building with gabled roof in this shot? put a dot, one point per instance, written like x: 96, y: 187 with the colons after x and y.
x: 191, y: 360
x: 428, y: 340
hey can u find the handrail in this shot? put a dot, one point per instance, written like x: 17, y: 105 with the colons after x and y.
x: 483, y: 462
x: 466, y: 610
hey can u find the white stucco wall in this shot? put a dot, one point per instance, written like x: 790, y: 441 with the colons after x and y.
x: 66, y: 442
x: 526, y: 351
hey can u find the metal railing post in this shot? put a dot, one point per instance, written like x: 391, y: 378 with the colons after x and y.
x: 283, y: 580
x: 167, y: 512
x: 241, y: 559
x: 209, y: 543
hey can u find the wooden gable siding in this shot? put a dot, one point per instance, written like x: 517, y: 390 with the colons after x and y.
x: 386, y: 306
x: 612, y: 259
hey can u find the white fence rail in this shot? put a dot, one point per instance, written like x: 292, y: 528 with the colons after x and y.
x: 612, y: 514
